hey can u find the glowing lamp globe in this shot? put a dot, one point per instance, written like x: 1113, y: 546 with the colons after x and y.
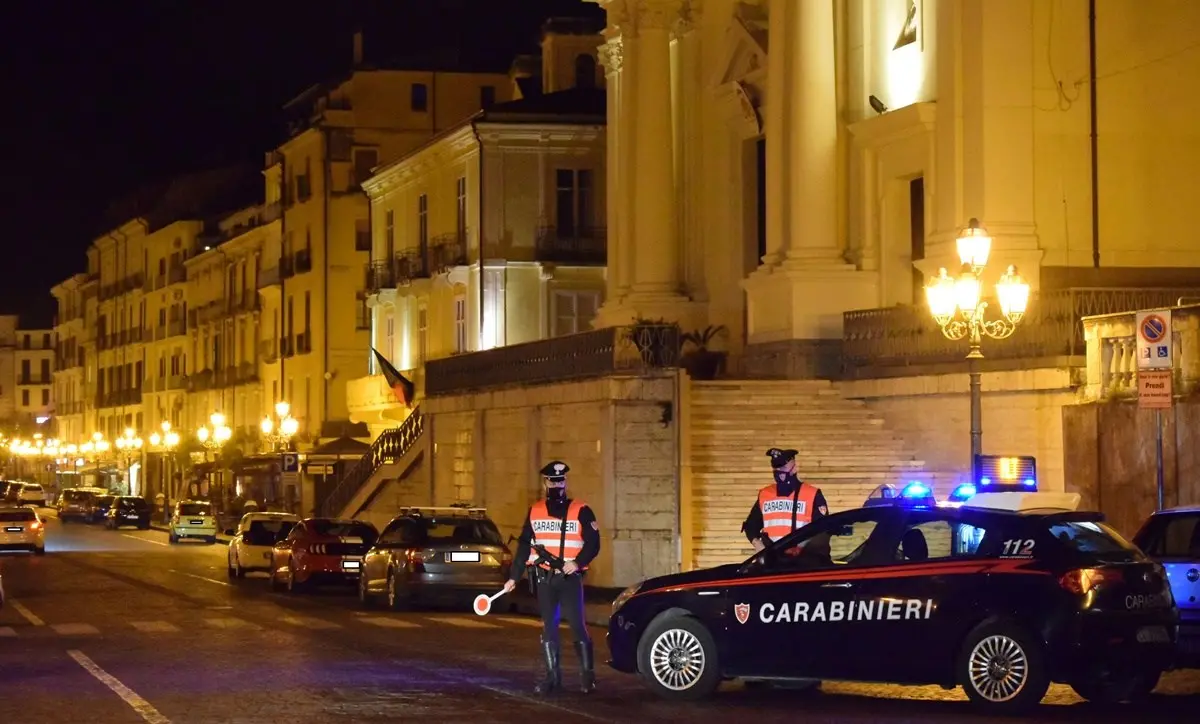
x: 1013, y: 292
x: 974, y: 245
x: 967, y: 293
x: 939, y: 293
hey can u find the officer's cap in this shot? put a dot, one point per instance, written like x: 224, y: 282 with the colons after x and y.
x: 779, y: 458
x: 555, y: 471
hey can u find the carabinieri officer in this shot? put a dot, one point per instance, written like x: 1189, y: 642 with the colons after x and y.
x: 567, y: 533
x: 785, y: 505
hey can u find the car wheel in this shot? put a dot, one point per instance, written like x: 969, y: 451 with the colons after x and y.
x: 677, y: 657
x: 172, y: 538
x: 1117, y: 689
x: 274, y: 578
x: 364, y: 596
x: 396, y: 597
x: 293, y: 586
x: 39, y: 551
x: 1002, y: 668
x: 211, y: 540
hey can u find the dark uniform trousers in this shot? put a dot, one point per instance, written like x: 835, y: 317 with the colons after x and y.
x: 555, y: 593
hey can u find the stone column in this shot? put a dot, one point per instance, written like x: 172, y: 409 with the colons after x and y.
x: 775, y: 128
x: 687, y: 90
x: 611, y: 55
x: 812, y: 134
x: 656, y: 250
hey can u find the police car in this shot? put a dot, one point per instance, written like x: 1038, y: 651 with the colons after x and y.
x: 1001, y: 594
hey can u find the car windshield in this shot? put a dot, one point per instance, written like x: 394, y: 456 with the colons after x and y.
x: 77, y: 496
x: 195, y: 509
x: 1173, y: 536
x: 266, y: 532
x: 134, y: 503
x: 13, y: 516
x: 458, y: 531
x: 343, y: 529
x: 1091, y: 537
x: 33, y: 488
x: 104, y: 500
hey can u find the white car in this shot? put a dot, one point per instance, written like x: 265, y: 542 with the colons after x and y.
x: 254, y: 539
x: 193, y: 519
x: 32, y: 494
x: 23, y: 529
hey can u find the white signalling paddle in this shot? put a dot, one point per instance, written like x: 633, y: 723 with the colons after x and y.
x: 483, y: 603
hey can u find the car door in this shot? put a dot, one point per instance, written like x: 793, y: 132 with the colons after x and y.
x: 793, y: 604
x: 1173, y: 539
x: 376, y: 560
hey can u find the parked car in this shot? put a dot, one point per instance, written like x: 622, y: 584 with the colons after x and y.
x: 128, y: 510
x: 193, y: 519
x: 434, y: 553
x: 21, y: 528
x: 253, y: 540
x: 100, y: 507
x: 321, y: 550
x: 1172, y: 538
x: 32, y: 494
x: 77, y: 504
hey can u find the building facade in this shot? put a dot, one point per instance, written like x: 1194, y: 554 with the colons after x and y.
x: 26, y: 375
x: 72, y: 334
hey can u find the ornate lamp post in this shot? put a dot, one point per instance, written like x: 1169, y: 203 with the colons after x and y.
x: 164, y: 444
x: 958, y: 308
x: 280, y: 434
x: 214, y: 439
x: 129, y: 446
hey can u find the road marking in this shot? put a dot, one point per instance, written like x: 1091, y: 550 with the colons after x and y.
x: 311, y: 623
x: 143, y: 708
x: 201, y: 578
x: 461, y: 621
x: 229, y: 623
x: 388, y: 622
x: 74, y: 629
x: 144, y: 540
x: 29, y: 615
x: 154, y: 626
x: 520, y: 620
x: 542, y: 702
x: 7, y: 632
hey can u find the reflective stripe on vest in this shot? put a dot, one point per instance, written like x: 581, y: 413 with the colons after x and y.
x: 777, y: 510
x: 547, y: 532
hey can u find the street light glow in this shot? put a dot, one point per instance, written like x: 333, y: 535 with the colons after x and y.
x: 974, y: 245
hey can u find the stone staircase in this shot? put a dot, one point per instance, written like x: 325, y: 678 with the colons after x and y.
x: 845, y: 449
x: 392, y: 457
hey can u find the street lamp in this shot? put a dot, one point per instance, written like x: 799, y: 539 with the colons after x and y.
x: 218, y: 435
x: 958, y: 308
x: 130, y: 447
x: 281, y: 433
x: 164, y: 444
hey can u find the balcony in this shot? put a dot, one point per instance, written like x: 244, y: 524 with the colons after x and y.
x: 1111, y: 343
x: 579, y: 245
x: 904, y: 340
x: 200, y: 381
x: 247, y: 373
x: 268, y: 277
x: 286, y: 347
x: 176, y: 382
x: 380, y: 275
x: 303, y: 261
x: 448, y: 251
x: 176, y: 327
x: 35, y: 379
x: 304, y: 343
x: 177, y: 274
x: 245, y: 304
x: 267, y: 351
x: 638, y: 350
x: 287, y: 267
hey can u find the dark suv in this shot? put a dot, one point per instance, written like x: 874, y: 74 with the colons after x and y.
x: 128, y: 510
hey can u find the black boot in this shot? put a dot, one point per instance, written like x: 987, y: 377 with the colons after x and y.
x: 587, y: 666
x: 552, y: 681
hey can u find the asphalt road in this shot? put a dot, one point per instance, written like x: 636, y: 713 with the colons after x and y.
x: 115, y: 628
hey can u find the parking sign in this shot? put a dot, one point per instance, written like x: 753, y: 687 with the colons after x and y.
x: 1154, y: 340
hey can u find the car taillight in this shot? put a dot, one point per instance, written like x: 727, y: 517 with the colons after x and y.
x: 317, y: 549
x: 1084, y: 580
x: 506, y: 558
x: 416, y: 562
x: 35, y: 525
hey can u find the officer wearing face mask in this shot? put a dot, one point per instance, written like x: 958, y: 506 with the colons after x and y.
x: 559, y: 540
x: 785, y: 505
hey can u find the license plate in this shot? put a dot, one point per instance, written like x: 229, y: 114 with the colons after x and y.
x: 351, y: 565
x: 1153, y: 635
x: 196, y: 522
x: 11, y: 529
x: 462, y: 557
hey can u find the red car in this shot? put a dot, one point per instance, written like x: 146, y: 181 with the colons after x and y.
x: 321, y: 550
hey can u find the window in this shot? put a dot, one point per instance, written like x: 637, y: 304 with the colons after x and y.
x: 1091, y: 537
x: 487, y: 96
x: 362, y: 235
x: 574, y: 312
x: 25, y: 343
x: 585, y: 71
x: 828, y: 543
x: 573, y: 201
x: 25, y: 373
x: 45, y: 397
x: 930, y: 539
x: 423, y: 223
x: 420, y: 98
x: 1172, y: 536
x: 45, y: 341
x: 390, y: 333
x: 308, y: 314
x: 422, y: 334
x: 291, y: 317
x: 460, y: 324
x: 460, y: 209
x: 25, y: 398
x: 365, y: 159
x: 389, y: 234
x: 45, y: 370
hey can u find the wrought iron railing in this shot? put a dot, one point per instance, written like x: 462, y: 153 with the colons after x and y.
x: 633, y: 350
x: 906, y: 336
x: 388, y: 449
x: 448, y: 251
x: 581, y: 245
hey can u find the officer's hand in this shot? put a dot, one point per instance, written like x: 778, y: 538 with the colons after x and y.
x: 509, y: 586
x: 569, y: 567
x: 759, y: 546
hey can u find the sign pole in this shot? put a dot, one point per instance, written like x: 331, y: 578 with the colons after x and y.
x: 1155, y: 380
x: 1158, y: 444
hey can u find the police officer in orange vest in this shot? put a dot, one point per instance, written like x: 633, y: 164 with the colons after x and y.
x: 559, y: 540
x: 784, y: 506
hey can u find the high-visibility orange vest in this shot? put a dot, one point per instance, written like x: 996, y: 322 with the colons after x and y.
x: 548, y: 532
x: 778, y: 511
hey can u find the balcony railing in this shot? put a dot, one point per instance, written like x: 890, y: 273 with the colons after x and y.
x: 268, y: 277
x: 176, y: 327
x: 448, y: 251
x: 1112, y: 366
x: 885, y: 341
x: 304, y: 343
x: 380, y: 275
x: 634, y: 350
x: 579, y: 245
x: 303, y: 261
x: 389, y: 448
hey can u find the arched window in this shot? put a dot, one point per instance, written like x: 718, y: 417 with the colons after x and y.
x: 585, y: 71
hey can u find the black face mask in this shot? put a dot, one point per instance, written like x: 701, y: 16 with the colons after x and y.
x: 556, y: 495
x: 786, y: 483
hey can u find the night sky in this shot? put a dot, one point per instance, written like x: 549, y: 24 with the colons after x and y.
x: 105, y: 96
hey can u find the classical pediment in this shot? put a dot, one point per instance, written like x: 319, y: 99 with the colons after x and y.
x: 744, y: 52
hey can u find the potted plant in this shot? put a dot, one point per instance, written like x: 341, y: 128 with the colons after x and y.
x: 700, y: 362
x: 654, y: 339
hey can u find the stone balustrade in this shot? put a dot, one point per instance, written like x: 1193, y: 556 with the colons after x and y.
x: 1111, y: 344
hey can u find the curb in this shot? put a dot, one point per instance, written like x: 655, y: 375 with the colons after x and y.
x: 164, y: 529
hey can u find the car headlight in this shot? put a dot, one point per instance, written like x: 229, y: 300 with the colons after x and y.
x: 627, y: 594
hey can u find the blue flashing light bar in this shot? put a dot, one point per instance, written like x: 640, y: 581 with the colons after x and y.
x: 916, y: 490
x: 962, y: 493
x: 1006, y: 473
